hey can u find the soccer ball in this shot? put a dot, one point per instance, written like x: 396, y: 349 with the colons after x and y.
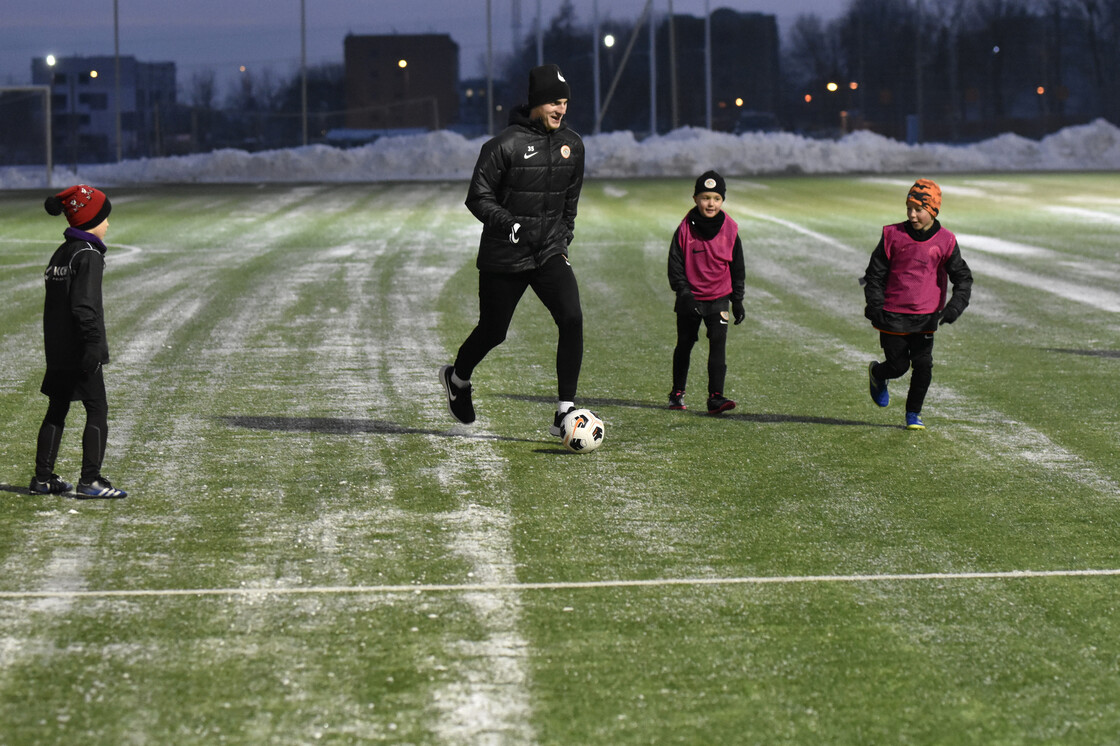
x: 582, y: 431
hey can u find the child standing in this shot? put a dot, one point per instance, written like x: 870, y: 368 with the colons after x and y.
x: 905, y: 288
x: 706, y: 270
x: 76, y: 347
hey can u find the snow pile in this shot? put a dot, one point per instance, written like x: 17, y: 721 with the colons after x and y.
x: 446, y: 155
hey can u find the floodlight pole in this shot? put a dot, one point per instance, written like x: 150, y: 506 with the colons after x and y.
x: 489, y: 72
x: 595, y: 72
x: 50, y: 132
x: 540, y: 36
x: 303, y: 65
x: 117, y: 76
x: 652, y: 70
x: 708, y: 64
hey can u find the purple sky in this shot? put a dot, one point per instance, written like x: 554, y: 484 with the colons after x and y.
x: 221, y: 35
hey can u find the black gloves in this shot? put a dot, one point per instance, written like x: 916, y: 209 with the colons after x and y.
x: 874, y: 315
x: 687, y: 303
x: 949, y: 315
x: 738, y: 311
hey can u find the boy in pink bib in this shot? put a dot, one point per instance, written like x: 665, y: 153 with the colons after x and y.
x: 905, y: 287
x: 706, y: 271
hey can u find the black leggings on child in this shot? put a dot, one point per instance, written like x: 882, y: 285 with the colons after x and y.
x: 94, y: 437
x: 688, y: 328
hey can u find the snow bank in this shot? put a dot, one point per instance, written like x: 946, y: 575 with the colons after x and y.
x: 446, y: 155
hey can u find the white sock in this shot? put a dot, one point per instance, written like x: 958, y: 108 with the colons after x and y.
x: 459, y: 382
x: 564, y: 406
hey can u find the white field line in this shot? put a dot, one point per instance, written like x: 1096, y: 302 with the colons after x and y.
x: 489, y: 696
x: 1091, y: 216
x: 491, y: 588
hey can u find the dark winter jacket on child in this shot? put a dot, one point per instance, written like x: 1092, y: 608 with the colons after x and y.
x: 706, y: 258
x: 907, y: 280
x: 73, y: 315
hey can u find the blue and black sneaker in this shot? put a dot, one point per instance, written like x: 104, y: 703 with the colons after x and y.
x: 98, y: 487
x: 914, y: 421
x: 878, y: 386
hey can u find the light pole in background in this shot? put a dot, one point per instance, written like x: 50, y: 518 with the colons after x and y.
x: 303, y: 66
x: 117, y: 76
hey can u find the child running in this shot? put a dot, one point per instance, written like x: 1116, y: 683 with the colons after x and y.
x: 905, y: 288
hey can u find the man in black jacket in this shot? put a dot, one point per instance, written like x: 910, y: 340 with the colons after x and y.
x: 525, y: 190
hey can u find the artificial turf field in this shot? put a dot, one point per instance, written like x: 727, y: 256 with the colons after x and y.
x: 312, y: 551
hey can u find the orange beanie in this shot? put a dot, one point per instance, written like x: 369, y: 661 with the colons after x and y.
x: 925, y: 194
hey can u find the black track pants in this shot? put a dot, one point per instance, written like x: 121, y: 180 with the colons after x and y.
x: 902, y: 352
x: 498, y: 295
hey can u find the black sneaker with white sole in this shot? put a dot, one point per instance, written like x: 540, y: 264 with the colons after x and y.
x: 459, y: 402
x: 554, y: 429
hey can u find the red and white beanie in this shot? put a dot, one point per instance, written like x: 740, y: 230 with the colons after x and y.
x: 85, y: 207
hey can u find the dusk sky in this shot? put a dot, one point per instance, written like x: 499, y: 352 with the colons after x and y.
x: 222, y: 35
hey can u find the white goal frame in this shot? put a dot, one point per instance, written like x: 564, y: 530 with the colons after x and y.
x: 48, y: 135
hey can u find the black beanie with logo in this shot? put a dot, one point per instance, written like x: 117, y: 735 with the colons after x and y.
x: 546, y: 84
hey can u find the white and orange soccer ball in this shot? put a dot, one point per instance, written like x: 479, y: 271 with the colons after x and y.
x: 582, y: 431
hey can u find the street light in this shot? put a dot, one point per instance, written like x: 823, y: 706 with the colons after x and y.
x: 608, y: 41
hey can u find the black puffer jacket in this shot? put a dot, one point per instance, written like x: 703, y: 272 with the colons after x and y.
x: 73, y: 316
x: 532, y: 176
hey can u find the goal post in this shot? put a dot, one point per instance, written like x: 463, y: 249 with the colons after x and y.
x: 18, y: 113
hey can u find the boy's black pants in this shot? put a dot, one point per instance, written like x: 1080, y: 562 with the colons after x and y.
x: 498, y: 295
x: 95, y: 436
x: 688, y: 328
x: 902, y: 352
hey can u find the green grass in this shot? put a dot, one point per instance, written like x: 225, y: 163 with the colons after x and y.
x: 313, y: 552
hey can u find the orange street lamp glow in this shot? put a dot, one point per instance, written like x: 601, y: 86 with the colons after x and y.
x: 738, y: 102
x: 808, y: 98
x: 853, y: 85
x: 1040, y: 90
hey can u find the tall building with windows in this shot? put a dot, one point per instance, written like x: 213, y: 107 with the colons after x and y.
x: 84, y: 110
